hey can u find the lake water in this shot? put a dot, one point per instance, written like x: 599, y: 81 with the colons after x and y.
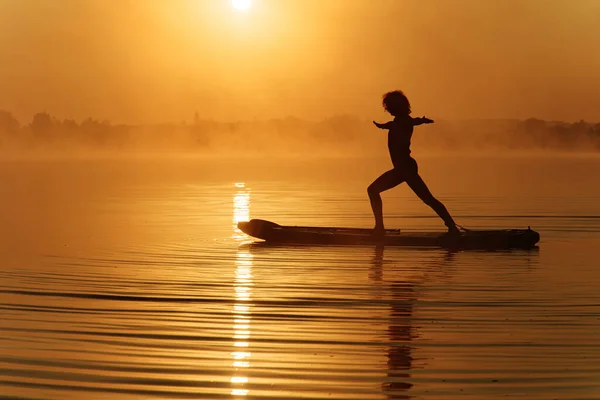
x: 128, y: 280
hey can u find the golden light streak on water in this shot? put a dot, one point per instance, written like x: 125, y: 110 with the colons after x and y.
x: 241, y: 209
x: 243, y: 293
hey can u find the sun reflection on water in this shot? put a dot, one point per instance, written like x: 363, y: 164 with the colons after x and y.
x: 243, y: 292
x: 241, y: 209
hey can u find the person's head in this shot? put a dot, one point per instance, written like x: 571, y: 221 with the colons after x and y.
x: 396, y: 103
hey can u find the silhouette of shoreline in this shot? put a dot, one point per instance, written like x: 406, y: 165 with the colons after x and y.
x: 344, y: 134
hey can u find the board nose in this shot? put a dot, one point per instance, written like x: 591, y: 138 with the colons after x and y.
x: 243, y: 226
x: 259, y: 228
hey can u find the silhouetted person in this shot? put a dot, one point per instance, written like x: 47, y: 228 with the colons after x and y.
x: 405, y: 167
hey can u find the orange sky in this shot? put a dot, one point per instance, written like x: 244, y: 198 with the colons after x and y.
x: 155, y: 60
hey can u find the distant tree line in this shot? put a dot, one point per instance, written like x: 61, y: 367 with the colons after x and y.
x: 339, y: 134
x: 531, y: 134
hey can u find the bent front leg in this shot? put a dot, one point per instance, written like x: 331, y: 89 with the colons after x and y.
x: 386, y: 181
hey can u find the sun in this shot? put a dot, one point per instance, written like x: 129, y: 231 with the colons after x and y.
x: 241, y: 5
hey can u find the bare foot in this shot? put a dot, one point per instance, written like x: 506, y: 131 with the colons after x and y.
x: 379, y: 230
x: 453, y: 230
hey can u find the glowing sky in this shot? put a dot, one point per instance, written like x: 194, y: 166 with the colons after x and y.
x: 154, y: 60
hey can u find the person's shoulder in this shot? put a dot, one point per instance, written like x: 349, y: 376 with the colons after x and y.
x: 403, y: 121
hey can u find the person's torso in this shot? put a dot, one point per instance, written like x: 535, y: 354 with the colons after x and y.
x: 399, y: 137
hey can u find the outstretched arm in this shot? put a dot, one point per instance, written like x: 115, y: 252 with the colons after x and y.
x: 387, y: 125
x: 422, y: 120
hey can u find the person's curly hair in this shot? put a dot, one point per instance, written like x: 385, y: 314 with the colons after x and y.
x: 396, y: 103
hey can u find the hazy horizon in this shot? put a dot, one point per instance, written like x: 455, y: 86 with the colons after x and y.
x: 339, y: 136
x: 154, y: 61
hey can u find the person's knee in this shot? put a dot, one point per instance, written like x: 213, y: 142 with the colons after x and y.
x: 372, y: 191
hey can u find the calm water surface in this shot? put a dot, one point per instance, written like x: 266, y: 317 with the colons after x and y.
x: 123, y: 280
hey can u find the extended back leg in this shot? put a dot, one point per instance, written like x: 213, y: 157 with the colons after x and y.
x: 420, y: 188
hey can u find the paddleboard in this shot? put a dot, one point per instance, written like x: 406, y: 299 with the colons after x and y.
x: 478, y: 239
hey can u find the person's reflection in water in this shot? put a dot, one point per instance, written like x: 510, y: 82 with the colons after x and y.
x: 401, y: 333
